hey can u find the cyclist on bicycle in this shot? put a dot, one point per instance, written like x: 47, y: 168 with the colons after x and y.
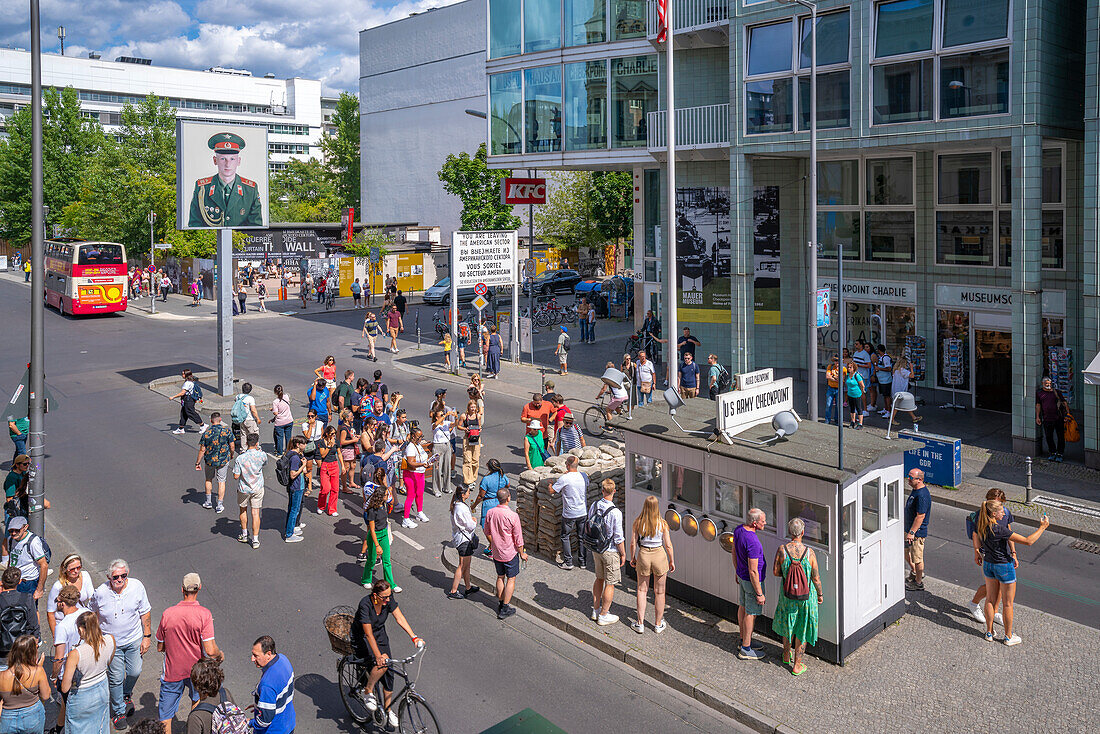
x: 372, y: 644
x: 619, y: 396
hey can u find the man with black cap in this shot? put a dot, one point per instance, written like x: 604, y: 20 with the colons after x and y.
x: 226, y: 199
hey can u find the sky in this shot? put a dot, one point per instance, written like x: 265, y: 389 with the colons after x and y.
x: 315, y: 39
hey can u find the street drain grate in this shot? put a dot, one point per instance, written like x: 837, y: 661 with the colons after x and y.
x: 1086, y: 546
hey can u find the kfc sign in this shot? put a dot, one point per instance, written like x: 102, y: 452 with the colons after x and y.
x: 523, y: 190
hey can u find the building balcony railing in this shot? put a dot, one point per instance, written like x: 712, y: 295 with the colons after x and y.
x: 697, y: 128
x: 690, y: 15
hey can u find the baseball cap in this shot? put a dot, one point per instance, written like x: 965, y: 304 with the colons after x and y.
x: 564, y: 329
x: 192, y: 582
x: 17, y: 522
x: 441, y: 391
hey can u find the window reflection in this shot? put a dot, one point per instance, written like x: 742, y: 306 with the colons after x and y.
x: 542, y: 106
x: 646, y: 474
x: 505, y: 103
x: 503, y: 28
x: 686, y: 485
x: 584, y: 22
x: 633, y: 97
x: 586, y: 105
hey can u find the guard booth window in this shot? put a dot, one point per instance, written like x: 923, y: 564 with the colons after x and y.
x: 872, y: 520
x: 686, y: 486
x: 646, y: 474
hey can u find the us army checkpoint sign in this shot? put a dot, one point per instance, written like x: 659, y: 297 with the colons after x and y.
x: 221, y: 176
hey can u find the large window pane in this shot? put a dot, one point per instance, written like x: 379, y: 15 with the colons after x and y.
x: 833, y: 100
x: 628, y: 19
x: 770, y: 48
x: 1054, y: 245
x: 728, y: 497
x: 901, y: 321
x: 768, y: 106
x: 965, y: 179
x: 872, y: 519
x: 838, y: 183
x: 889, y: 181
x: 633, y: 96
x: 763, y: 500
x: 585, y: 22
x: 838, y: 229
x: 902, y: 92
x: 542, y: 106
x: 1006, y: 177
x: 1052, y: 176
x: 586, y: 105
x: 686, y: 485
x: 964, y: 238
x: 967, y: 21
x: 645, y: 474
x: 815, y: 518
x: 974, y: 84
x: 503, y: 28
x: 953, y: 362
x: 1004, y: 234
x: 541, y: 25
x: 832, y: 40
x: 903, y: 27
x: 891, y: 236
x: 505, y: 104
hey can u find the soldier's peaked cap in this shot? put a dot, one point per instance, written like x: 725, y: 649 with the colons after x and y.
x: 226, y: 143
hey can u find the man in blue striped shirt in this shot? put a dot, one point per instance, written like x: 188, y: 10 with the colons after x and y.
x: 275, y: 693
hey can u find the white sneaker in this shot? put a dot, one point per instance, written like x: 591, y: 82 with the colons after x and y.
x: 637, y: 626
x: 371, y: 703
x: 178, y: 431
x: 998, y: 619
x: 408, y: 523
x: 391, y: 717
x: 297, y: 530
x: 421, y: 517
x: 203, y: 427
x: 661, y: 627
x: 605, y: 619
x: 976, y: 612
x: 866, y: 413
x: 594, y: 614
x: 293, y: 539
x: 1014, y: 640
x: 320, y: 511
x: 397, y: 589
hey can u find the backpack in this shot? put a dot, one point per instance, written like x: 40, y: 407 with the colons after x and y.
x: 282, y: 469
x: 464, y: 331
x: 796, y: 586
x: 971, y: 524
x: 226, y: 717
x: 13, y: 624
x: 196, y: 392
x: 724, y: 379
x: 239, y: 412
x: 565, y: 344
x: 594, y: 534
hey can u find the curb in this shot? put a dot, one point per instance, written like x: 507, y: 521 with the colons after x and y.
x: 702, y: 692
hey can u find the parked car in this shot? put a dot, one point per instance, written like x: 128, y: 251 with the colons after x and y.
x: 553, y: 281
x: 440, y: 293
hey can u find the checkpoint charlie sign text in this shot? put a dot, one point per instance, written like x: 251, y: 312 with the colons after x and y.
x: 484, y: 257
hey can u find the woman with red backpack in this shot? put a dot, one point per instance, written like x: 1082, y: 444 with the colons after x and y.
x: 795, y: 617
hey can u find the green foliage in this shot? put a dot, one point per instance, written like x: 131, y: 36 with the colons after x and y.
x: 341, y: 152
x: 365, y: 239
x: 303, y: 192
x: 69, y: 144
x: 585, y: 209
x: 478, y: 186
x: 611, y: 200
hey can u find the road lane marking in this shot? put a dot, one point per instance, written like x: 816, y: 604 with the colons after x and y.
x: 410, y: 541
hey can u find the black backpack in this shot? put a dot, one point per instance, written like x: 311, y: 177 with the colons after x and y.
x: 282, y: 469
x: 13, y: 624
x: 595, y: 536
x: 724, y: 379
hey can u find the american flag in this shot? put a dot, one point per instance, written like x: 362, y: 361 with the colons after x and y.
x: 662, y: 20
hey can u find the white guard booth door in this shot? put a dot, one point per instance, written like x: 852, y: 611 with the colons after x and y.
x: 871, y: 535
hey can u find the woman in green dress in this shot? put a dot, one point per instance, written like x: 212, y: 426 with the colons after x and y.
x: 532, y: 445
x: 796, y: 621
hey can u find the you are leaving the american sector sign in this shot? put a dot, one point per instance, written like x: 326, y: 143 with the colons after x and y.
x: 741, y: 409
x: 484, y: 257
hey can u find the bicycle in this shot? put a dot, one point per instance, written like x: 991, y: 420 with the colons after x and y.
x: 330, y: 298
x: 595, y: 418
x: 414, y: 715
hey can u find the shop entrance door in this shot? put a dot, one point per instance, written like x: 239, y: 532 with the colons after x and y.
x: 993, y: 370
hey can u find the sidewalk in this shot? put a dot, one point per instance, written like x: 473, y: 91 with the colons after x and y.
x: 180, y: 307
x: 932, y: 671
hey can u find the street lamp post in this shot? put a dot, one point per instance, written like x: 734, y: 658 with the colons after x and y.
x: 36, y: 406
x: 152, y: 218
x: 811, y: 253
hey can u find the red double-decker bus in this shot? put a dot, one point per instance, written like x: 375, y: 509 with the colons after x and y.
x: 85, y: 277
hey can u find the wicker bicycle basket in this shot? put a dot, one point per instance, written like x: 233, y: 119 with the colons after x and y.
x: 338, y: 625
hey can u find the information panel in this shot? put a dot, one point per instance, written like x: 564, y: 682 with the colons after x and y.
x: 484, y: 257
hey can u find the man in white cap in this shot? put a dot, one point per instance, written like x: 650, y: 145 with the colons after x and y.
x: 562, y: 350
x: 185, y: 634
x: 29, y: 556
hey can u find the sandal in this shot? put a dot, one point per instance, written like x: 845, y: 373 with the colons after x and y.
x: 798, y: 669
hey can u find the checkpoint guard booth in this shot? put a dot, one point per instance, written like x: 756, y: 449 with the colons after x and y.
x: 707, y: 482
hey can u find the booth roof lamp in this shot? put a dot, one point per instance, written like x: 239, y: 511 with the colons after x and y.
x: 784, y: 423
x: 902, y: 401
x: 674, y: 401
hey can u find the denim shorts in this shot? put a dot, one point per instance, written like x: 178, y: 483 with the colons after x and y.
x: 170, y: 695
x: 747, y: 598
x: 1003, y: 572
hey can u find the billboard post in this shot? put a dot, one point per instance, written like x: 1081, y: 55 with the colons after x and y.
x: 225, y: 312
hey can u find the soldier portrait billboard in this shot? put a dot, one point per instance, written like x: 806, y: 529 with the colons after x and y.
x: 221, y: 176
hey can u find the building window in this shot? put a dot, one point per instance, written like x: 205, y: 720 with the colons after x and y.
x: 646, y: 474
x: 504, y: 28
x: 541, y: 25
x: 628, y: 19
x: 890, y: 181
x: 838, y: 183
x: 965, y: 179
x: 890, y: 236
x: 686, y: 485
x: 542, y: 107
x: 764, y: 500
x: 1053, y: 222
x: 972, y: 81
x: 882, y: 226
x: 838, y: 229
x: 964, y: 237
x: 291, y: 148
x: 953, y: 367
x: 505, y: 103
x: 728, y: 497
x: 633, y: 97
x: 586, y: 105
x: 585, y: 22
x: 774, y: 60
x: 815, y: 519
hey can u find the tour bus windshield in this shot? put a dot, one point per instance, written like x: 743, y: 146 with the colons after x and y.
x: 100, y: 254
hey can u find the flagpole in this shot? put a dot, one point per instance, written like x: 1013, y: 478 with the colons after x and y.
x: 673, y: 357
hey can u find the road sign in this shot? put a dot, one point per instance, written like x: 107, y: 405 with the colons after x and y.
x: 529, y: 268
x: 163, y: 245
x: 483, y: 257
x: 375, y: 255
x: 479, y: 303
x: 481, y: 289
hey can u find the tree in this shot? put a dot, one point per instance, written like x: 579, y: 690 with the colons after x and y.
x: 478, y: 186
x: 341, y: 151
x: 612, y: 203
x: 303, y: 192
x: 69, y: 143
x: 566, y: 220
x: 367, y: 239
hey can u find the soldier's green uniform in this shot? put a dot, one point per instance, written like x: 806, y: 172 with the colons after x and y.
x: 216, y: 204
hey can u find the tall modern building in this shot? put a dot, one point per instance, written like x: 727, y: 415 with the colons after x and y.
x: 417, y: 78
x: 952, y: 173
x: 290, y: 109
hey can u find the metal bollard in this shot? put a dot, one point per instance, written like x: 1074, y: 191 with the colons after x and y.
x: 1027, y: 490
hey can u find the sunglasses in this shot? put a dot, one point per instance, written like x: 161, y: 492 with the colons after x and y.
x: 22, y: 463
x: 70, y: 569
x: 387, y: 597
x: 119, y: 576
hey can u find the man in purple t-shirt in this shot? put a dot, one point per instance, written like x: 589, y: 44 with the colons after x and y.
x: 748, y: 559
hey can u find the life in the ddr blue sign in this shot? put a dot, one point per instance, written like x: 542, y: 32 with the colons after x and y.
x: 940, y: 458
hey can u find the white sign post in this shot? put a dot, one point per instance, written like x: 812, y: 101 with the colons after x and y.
x: 741, y: 409
x: 481, y: 258
x: 525, y: 340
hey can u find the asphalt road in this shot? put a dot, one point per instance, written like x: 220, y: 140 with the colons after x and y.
x: 122, y: 485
